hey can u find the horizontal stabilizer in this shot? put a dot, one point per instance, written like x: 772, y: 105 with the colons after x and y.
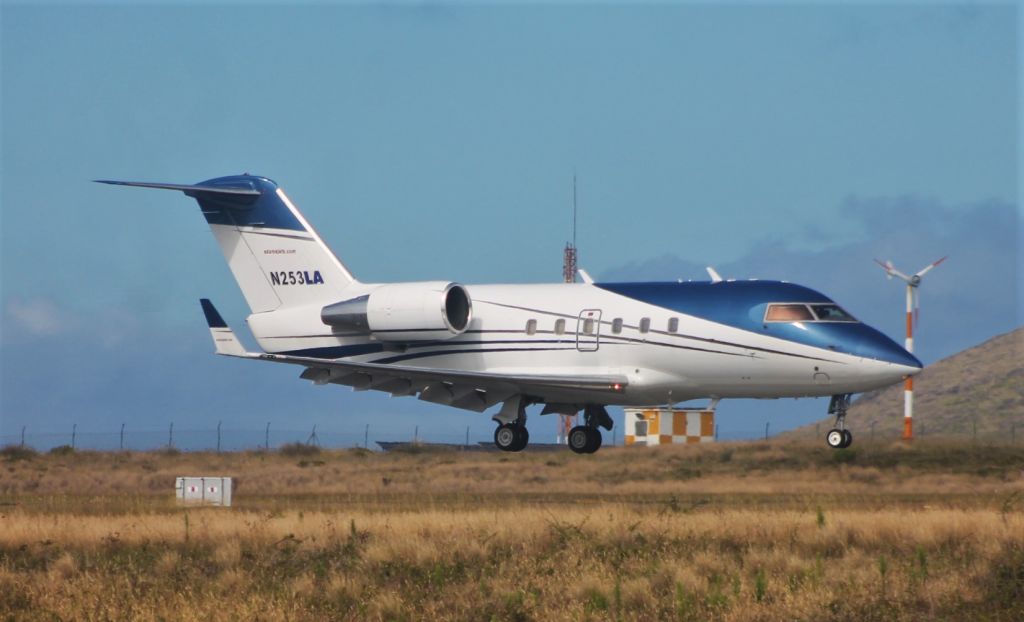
x: 223, y: 337
x: 191, y: 190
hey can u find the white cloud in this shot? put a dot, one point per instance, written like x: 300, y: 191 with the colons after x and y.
x: 37, y: 317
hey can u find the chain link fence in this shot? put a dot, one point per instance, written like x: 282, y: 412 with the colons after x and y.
x: 270, y: 436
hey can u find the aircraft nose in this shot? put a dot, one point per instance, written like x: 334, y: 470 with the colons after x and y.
x: 906, y: 359
x: 890, y: 351
x: 878, y: 346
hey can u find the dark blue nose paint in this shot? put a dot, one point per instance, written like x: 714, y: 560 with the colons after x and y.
x: 742, y: 304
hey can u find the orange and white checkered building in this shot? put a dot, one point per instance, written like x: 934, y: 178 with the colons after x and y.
x: 666, y: 426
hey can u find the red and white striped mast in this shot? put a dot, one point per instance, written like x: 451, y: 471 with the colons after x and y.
x: 913, y: 314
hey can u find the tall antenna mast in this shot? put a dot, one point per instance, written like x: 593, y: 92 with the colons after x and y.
x: 568, y: 422
x: 574, y: 209
x: 570, y: 258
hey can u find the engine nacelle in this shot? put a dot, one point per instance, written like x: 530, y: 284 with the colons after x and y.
x: 405, y: 312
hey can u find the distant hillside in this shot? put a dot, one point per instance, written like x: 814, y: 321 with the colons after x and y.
x: 983, y: 385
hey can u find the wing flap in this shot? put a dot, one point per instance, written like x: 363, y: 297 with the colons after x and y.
x: 471, y: 390
x: 611, y: 383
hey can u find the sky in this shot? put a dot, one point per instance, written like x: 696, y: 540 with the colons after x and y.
x: 425, y: 141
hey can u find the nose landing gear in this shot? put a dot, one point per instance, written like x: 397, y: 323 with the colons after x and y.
x: 839, y: 437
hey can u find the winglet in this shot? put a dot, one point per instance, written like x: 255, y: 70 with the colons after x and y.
x: 223, y: 337
x: 585, y: 276
x: 715, y: 277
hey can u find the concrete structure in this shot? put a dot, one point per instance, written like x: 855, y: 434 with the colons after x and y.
x: 666, y: 426
x: 203, y: 490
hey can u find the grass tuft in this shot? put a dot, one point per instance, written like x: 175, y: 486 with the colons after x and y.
x: 14, y: 453
x: 298, y: 450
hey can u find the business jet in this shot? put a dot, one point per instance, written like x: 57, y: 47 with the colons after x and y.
x: 571, y: 347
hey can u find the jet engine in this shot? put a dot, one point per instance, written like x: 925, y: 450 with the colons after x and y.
x: 404, y: 312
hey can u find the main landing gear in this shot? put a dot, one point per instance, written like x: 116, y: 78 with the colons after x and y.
x: 839, y: 437
x: 512, y: 434
x: 586, y: 438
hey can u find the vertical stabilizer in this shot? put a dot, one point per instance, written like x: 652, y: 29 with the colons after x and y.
x: 276, y: 257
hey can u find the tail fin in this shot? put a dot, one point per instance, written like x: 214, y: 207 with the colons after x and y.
x: 277, y: 258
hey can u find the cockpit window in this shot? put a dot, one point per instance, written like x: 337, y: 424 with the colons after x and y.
x: 788, y: 313
x: 814, y: 312
x: 831, y: 313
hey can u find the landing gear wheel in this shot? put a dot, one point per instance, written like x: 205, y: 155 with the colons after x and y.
x: 505, y: 437
x: 511, y: 437
x: 579, y: 439
x: 522, y: 438
x: 839, y: 437
x: 584, y: 439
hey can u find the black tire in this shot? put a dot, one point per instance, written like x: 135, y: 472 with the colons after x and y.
x: 505, y: 437
x: 835, y: 438
x: 847, y: 439
x: 579, y: 439
x: 595, y: 440
x: 522, y: 438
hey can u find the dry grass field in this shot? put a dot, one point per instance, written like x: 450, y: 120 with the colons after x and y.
x: 751, y: 531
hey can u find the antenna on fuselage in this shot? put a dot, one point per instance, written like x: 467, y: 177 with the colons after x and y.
x: 570, y: 258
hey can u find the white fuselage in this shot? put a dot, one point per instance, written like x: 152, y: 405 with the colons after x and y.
x: 541, y: 328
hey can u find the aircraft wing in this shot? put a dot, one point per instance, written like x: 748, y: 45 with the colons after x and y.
x: 471, y: 390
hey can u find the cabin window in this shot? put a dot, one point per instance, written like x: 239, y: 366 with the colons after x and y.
x: 831, y: 313
x: 559, y: 327
x: 588, y: 326
x: 531, y: 327
x: 788, y: 313
x: 673, y: 324
x: 645, y: 325
x: 617, y: 325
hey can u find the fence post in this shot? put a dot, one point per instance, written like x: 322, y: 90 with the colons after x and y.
x: 366, y: 437
x: 266, y: 438
x: 766, y: 425
x: 716, y: 431
x: 467, y: 436
x: 23, y: 436
x: 416, y: 435
x: 122, y: 437
x: 218, y: 436
x: 170, y: 436
x: 74, y: 432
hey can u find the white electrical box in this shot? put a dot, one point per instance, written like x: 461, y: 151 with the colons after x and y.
x: 203, y: 490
